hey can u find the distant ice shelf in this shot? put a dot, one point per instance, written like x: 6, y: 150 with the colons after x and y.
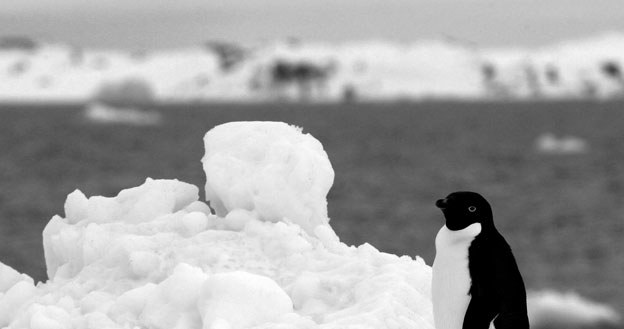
x: 315, y: 72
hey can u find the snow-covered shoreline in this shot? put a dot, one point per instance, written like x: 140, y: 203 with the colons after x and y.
x: 360, y: 71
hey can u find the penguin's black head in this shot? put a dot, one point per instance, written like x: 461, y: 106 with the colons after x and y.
x: 461, y: 209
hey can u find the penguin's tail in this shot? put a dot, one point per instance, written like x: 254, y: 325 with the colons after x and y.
x: 550, y: 309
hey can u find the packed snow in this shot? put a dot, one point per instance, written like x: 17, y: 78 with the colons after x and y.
x: 270, y: 168
x: 155, y: 256
x: 589, y: 68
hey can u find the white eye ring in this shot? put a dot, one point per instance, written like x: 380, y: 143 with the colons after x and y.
x: 472, y: 208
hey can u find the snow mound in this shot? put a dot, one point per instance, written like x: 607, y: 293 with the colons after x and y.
x: 155, y: 257
x: 551, y: 309
x: 15, y: 290
x: 242, y: 300
x: 268, y: 167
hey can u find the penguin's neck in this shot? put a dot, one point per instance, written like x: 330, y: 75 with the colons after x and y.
x: 451, y: 240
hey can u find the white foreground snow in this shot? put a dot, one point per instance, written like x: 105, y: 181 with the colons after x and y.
x: 155, y: 257
x: 270, y: 168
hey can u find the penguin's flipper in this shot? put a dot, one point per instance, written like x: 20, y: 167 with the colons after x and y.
x: 477, y: 315
x: 511, y: 293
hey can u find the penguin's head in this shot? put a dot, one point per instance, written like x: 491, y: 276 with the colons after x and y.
x: 461, y: 209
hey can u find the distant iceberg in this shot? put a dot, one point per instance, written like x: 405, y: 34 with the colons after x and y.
x: 551, y: 144
x: 108, y: 114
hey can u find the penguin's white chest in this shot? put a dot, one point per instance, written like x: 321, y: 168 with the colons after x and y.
x: 451, y: 277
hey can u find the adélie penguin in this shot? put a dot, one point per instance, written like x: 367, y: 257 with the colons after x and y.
x: 475, y: 276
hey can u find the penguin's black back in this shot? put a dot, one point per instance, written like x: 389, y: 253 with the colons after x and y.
x: 497, y: 286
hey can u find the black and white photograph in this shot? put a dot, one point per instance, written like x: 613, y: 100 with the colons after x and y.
x: 303, y: 164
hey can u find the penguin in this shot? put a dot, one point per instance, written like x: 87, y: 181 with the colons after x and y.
x: 475, y: 278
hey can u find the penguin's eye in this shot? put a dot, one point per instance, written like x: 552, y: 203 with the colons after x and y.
x: 472, y: 208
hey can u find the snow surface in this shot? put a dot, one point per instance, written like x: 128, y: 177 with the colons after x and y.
x: 589, y: 68
x: 270, y: 168
x: 154, y: 256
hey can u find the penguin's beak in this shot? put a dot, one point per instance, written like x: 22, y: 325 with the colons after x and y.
x: 441, y: 203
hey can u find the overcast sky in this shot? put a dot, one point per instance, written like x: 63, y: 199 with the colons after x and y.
x: 174, y: 23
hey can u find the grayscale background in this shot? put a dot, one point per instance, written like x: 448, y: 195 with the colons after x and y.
x: 90, y: 100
